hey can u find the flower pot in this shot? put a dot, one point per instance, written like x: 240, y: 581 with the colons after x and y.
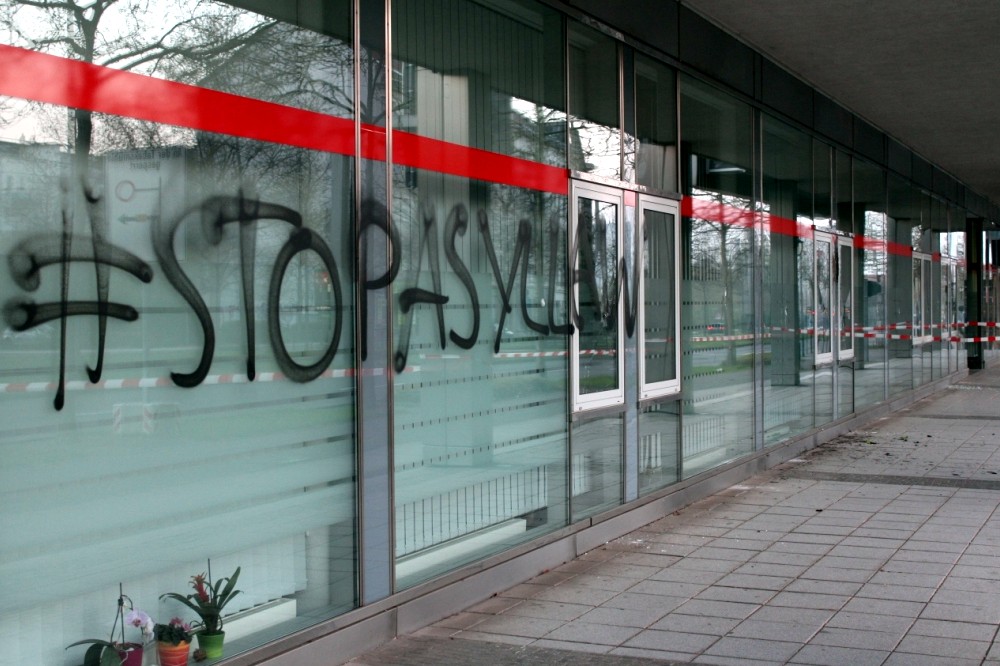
x: 130, y: 654
x: 173, y: 655
x: 212, y: 644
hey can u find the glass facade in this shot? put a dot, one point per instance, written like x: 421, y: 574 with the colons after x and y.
x: 480, y: 390
x: 350, y: 295
x: 718, y: 277
x: 178, y: 349
x: 790, y: 264
x: 870, y: 220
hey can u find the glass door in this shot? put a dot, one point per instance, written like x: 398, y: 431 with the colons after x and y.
x: 922, y: 291
x: 596, y: 344
x: 845, y: 301
x: 659, y: 305
x: 822, y: 327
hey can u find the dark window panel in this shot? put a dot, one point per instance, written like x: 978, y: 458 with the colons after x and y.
x: 652, y: 21
x: 922, y: 172
x: 945, y: 185
x: 832, y: 120
x: 900, y: 159
x: 785, y: 93
x: 712, y: 51
x: 869, y: 141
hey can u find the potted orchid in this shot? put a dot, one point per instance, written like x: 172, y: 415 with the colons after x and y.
x: 208, y: 600
x: 119, y: 652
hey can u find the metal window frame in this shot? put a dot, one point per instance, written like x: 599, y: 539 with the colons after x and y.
x: 614, y: 397
x: 839, y: 332
x: 824, y: 358
x: 922, y: 331
x: 659, y: 389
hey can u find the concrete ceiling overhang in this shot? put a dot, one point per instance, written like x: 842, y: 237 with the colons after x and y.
x: 926, y: 72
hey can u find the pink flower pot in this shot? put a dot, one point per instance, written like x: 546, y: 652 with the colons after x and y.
x: 130, y: 654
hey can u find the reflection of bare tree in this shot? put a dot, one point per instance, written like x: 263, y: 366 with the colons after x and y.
x: 723, y: 252
x: 129, y: 35
x: 212, y: 45
x: 595, y: 148
x: 536, y: 133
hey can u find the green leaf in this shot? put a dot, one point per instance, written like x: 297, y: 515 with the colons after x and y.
x: 100, y: 652
x: 184, y: 600
x: 227, y: 592
x: 95, y: 655
x: 110, y: 657
x: 89, y: 641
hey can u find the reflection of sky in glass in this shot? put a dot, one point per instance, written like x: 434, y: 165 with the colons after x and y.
x: 547, y: 143
x: 180, y: 40
x: 600, y: 147
x: 953, y: 244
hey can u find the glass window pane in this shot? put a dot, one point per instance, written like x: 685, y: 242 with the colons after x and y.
x: 903, y: 300
x: 846, y: 291
x: 480, y: 304
x: 789, y: 268
x: 717, y: 311
x: 928, y: 292
x: 493, y: 97
x: 598, y: 295
x: 594, y: 129
x: 656, y: 124
x: 212, y: 410
x: 871, y: 223
x: 824, y: 280
x: 659, y: 445
x: 659, y: 305
x: 596, y: 466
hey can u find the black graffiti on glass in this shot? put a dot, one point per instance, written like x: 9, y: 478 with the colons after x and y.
x: 458, y: 225
x: 302, y: 240
x: 588, y: 250
x: 521, y: 249
x: 26, y: 261
x: 631, y: 295
x: 99, y: 244
x: 413, y: 296
x: 214, y: 213
x: 606, y: 280
x: 375, y: 216
x: 554, y: 233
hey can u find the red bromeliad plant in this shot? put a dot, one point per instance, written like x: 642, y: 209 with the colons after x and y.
x: 208, y: 599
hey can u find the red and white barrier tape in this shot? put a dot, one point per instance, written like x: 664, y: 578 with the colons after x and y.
x: 162, y: 382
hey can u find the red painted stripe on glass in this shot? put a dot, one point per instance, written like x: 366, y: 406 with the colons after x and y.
x: 56, y: 80
x: 443, y: 157
x: 715, y: 211
x: 73, y: 83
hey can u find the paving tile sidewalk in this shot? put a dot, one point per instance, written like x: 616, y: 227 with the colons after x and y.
x: 881, y: 547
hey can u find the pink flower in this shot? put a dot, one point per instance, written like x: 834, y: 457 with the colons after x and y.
x: 180, y: 623
x: 137, y: 618
x: 140, y: 620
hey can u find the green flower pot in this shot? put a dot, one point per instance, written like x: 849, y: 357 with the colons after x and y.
x: 212, y: 644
